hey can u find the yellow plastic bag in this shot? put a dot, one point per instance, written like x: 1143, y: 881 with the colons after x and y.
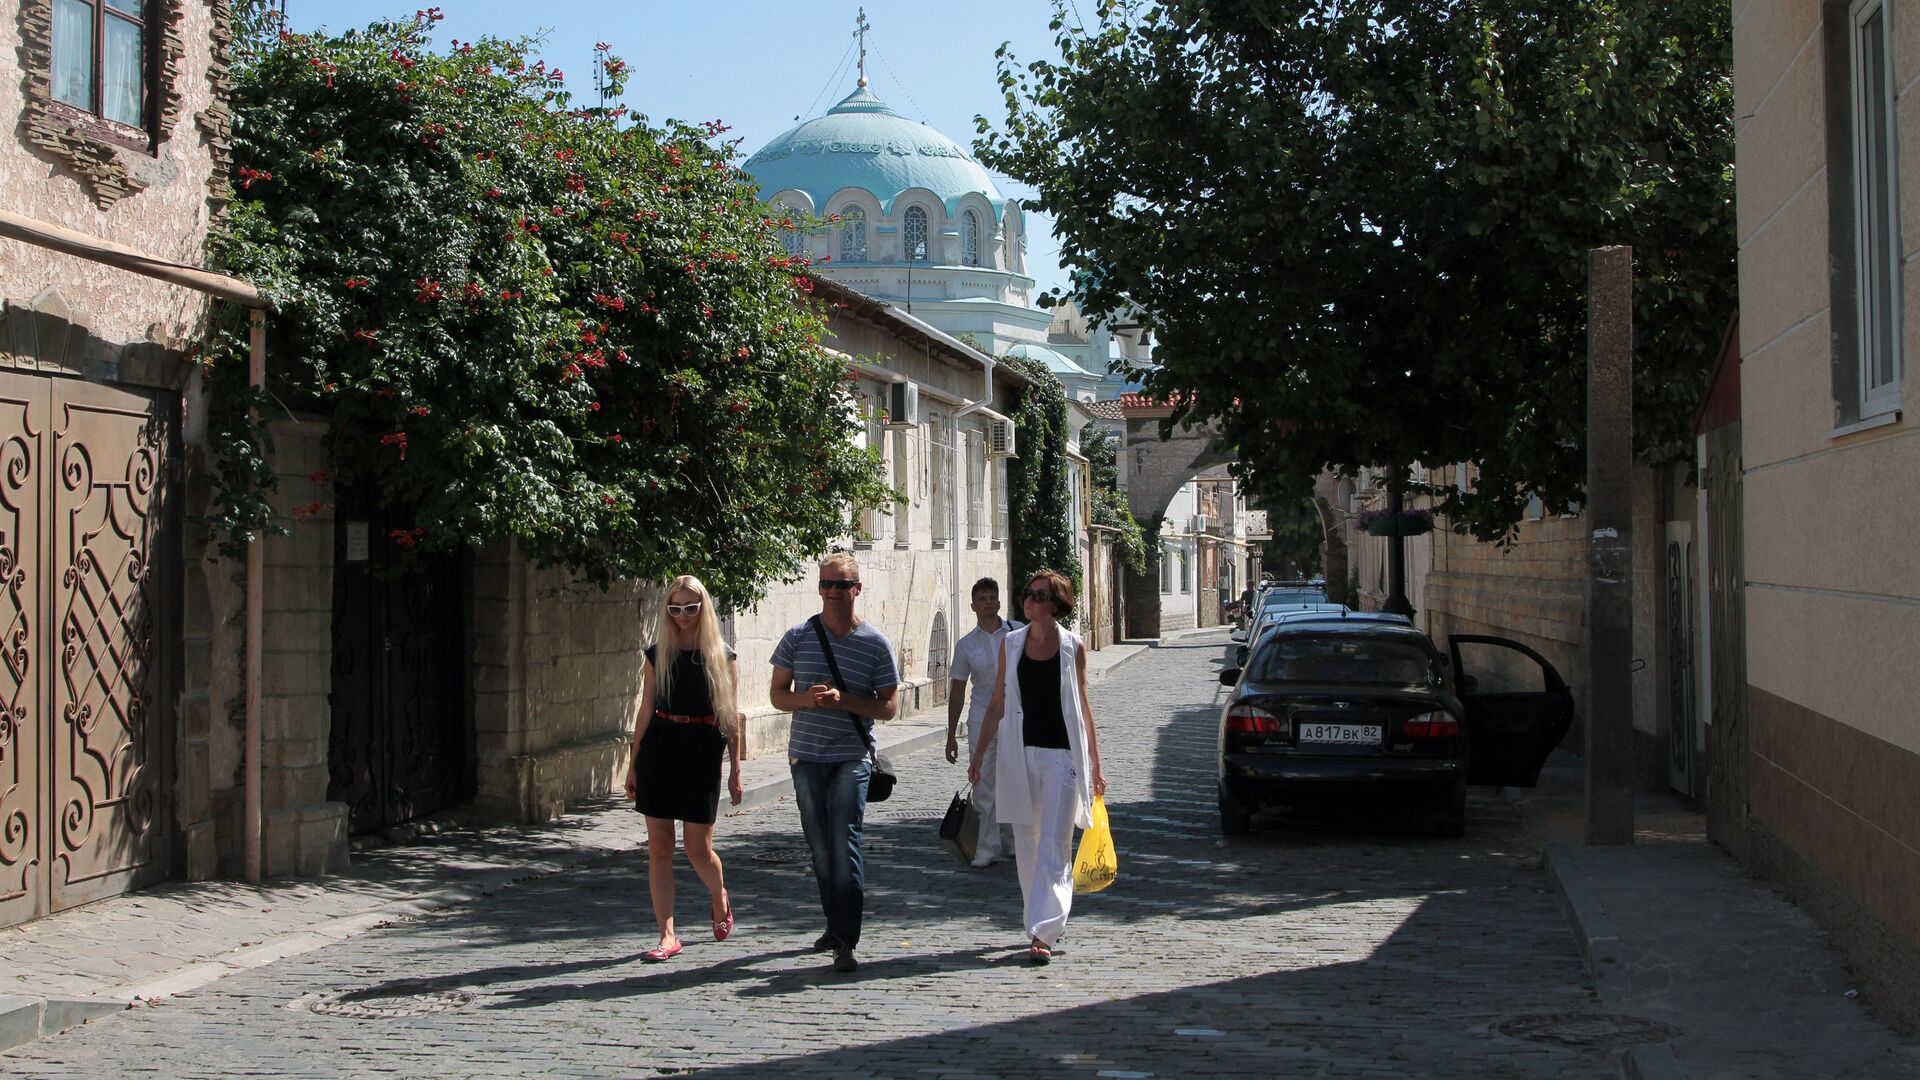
x: 1095, y: 867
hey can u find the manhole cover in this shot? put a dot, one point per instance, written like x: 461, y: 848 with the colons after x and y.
x: 1586, y: 1029
x: 906, y: 815
x: 380, y: 1002
x: 782, y: 855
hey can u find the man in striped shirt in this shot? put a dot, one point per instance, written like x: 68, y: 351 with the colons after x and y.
x: 827, y: 749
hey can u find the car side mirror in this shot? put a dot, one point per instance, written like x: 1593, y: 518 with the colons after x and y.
x: 1229, y: 676
x: 1240, y: 655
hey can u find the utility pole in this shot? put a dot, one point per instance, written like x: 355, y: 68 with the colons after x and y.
x: 1609, y: 748
x: 1397, y: 602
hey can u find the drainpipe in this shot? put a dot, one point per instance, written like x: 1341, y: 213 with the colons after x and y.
x: 252, y: 826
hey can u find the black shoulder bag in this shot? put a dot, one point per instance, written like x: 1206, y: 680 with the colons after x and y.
x: 881, y: 780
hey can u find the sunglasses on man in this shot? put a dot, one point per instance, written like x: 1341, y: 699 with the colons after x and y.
x: 838, y: 586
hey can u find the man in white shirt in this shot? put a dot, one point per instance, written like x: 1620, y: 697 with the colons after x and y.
x: 976, y: 658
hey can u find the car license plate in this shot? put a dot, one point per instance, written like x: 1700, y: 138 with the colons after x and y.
x: 1344, y: 734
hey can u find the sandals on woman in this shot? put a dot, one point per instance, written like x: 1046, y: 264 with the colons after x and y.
x: 1038, y: 953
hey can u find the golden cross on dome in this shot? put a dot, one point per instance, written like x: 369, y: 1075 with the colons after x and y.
x: 860, y: 31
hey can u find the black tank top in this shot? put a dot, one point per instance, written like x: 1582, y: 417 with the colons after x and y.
x: 1042, y: 723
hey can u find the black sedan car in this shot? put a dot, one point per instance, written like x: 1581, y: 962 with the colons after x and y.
x: 1361, y: 709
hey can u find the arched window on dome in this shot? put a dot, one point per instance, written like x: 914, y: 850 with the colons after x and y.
x: 915, y: 235
x: 794, y: 241
x: 853, y: 234
x: 970, y: 238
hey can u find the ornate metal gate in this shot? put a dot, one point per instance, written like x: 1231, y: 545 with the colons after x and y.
x: 1727, y: 614
x: 1680, y: 681
x: 86, y: 642
x: 398, y: 748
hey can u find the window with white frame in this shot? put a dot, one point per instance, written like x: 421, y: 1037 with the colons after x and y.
x: 1000, y: 523
x: 940, y: 466
x: 903, y: 486
x: 914, y: 234
x: 794, y: 241
x: 976, y: 484
x: 970, y: 238
x: 1186, y: 569
x: 853, y: 234
x: 1166, y: 568
x: 1877, y: 293
x: 868, y: 521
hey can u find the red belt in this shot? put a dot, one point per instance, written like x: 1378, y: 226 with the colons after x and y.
x: 661, y: 714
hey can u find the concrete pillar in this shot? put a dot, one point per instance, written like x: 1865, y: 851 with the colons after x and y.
x: 1609, y: 750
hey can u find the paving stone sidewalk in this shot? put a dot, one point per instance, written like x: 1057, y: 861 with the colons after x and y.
x: 1320, y: 948
x: 177, y: 936
x: 1676, y: 931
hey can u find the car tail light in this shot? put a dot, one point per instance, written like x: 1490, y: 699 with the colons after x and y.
x: 1252, y: 720
x: 1431, y: 725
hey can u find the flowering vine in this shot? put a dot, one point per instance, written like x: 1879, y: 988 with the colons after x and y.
x: 526, y: 318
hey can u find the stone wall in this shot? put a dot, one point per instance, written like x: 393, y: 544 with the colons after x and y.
x: 554, y: 679
x: 1534, y: 592
x: 305, y: 834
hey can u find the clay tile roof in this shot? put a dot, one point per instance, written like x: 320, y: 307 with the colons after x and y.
x: 1105, y: 410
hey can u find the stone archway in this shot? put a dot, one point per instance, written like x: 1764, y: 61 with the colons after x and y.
x: 1153, y: 470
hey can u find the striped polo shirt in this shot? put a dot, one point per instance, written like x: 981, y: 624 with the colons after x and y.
x: 866, y: 664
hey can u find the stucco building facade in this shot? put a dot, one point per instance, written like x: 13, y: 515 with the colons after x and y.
x: 1825, y: 791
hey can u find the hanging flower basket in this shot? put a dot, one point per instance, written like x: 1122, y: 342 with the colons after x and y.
x: 1409, y: 522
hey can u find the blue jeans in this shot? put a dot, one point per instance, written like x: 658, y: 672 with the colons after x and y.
x: 833, y: 802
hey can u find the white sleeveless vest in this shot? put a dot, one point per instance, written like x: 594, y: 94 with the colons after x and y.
x: 1012, y: 800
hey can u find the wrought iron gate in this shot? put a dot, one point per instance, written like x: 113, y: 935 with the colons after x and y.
x: 1681, y: 694
x: 87, y: 642
x: 1727, y: 611
x: 399, y: 745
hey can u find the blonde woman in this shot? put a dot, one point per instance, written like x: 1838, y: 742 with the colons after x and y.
x: 1039, y: 727
x: 687, y: 720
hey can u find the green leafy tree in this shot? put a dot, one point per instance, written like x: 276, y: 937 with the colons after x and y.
x: 530, y: 319
x: 1358, y: 228
x: 1038, y: 491
x: 1110, y: 507
x: 1299, y: 539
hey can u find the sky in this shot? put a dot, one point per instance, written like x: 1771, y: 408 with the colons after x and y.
x: 761, y: 66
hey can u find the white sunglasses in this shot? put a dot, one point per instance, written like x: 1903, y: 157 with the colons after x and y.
x: 684, y: 609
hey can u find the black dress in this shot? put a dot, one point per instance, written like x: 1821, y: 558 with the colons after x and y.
x: 678, y: 769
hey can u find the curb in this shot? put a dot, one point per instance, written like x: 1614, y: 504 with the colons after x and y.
x: 1599, y: 945
x: 24, y: 1019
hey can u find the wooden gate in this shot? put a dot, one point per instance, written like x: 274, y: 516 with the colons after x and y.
x: 87, y: 642
x: 1727, y: 765
x: 398, y: 747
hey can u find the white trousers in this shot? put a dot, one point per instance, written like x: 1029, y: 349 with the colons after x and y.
x: 983, y: 800
x: 1044, y: 849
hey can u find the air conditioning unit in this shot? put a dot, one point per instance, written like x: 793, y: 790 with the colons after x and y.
x: 1200, y: 524
x: 1000, y: 439
x: 903, y: 405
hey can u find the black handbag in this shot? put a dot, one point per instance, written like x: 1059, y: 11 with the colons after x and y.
x: 881, y: 778
x: 960, y: 829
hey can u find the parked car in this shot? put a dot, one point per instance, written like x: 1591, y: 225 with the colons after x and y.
x: 1292, y: 596
x: 1274, y: 616
x: 1367, y: 708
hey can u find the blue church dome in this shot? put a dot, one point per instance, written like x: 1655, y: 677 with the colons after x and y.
x: 862, y: 143
x: 1056, y: 363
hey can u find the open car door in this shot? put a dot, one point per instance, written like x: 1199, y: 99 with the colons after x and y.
x: 1518, y: 709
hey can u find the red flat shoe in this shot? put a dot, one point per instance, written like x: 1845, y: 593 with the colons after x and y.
x: 659, y: 953
x: 725, y: 926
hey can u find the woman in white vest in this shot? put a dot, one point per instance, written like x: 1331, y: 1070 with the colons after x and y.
x: 1048, y: 762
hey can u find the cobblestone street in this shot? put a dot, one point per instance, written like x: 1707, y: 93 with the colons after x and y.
x: 1306, y: 949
